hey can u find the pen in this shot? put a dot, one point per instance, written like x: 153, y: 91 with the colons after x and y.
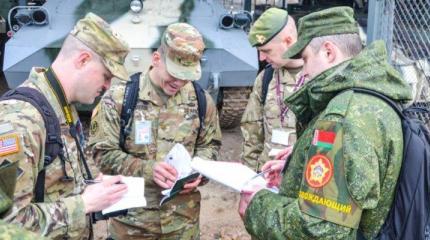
x: 90, y: 181
x: 257, y: 175
x: 261, y: 173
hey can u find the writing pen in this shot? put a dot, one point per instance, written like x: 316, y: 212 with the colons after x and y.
x: 261, y: 173
x: 92, y: 181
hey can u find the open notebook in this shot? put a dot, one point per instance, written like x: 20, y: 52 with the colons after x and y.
x: 231, y: 174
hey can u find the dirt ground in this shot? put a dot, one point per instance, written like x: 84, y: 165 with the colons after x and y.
x: 218, y: 217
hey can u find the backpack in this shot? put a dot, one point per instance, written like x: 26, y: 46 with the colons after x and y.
x: 409, y: 215
x: 53, y: 142
x: 131, y: 95
x: 267, y: 78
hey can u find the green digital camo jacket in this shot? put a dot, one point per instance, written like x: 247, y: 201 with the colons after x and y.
x: 175, y: 121
x: 22, y: 127
x: 345, y: 164
x: 259, y: 120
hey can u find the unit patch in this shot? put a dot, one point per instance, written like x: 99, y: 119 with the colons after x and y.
x: 318, y: 171
x: 9, y: 144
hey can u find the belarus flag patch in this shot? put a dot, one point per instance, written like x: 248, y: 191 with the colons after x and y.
x: 323, y: 139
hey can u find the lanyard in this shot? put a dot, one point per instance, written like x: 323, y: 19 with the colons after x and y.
x: 67, y: 110
x: 280, y: 95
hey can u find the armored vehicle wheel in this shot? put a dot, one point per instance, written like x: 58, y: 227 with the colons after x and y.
x: 233, y: 105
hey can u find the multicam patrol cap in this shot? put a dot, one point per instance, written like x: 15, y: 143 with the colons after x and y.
x: 332, y: 21
x: 99, y: 36
x: 183, y: 47
x: 267, y: 26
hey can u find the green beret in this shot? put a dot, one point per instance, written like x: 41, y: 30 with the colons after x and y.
x: 270, y: 23
x: 332, y: 21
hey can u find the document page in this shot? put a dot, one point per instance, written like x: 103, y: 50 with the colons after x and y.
x: 135, y: 196
x: 231, y: 174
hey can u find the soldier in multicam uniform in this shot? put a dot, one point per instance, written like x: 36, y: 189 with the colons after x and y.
x: 166, y: 113
x: 264, y: 120
x: 90, y: 56
x: 341, y: 176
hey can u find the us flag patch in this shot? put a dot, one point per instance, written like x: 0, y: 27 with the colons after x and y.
x: 9, y: 144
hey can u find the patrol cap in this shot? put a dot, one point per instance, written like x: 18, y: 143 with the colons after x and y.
x: 332, y: 21
x: 99, y: 36
x: 267, y: 26
x: 183, y: 47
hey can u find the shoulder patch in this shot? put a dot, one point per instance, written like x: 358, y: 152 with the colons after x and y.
x: 319, y: 171
x: 9, y: 144
x: 324, y: 139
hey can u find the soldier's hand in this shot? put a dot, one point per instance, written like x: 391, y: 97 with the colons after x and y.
x: 246, y: 196
x: 190, y: 186
x: 101, y: 195
x: 164, y: 175
x: 274, y: 177
x: 282, y: 155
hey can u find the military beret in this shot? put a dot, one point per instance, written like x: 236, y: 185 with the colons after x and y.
x: 332, y: 21
x: 97, y: 34
x: 267, y: 26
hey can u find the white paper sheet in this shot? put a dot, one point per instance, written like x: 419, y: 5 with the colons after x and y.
x: 180, y: 159
x: 281, y: 136
x: 231, y: 174
x: 135, y: 196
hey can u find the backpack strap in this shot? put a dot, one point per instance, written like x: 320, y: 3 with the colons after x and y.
x: 201, y: 105
x: 131, y: 94
x: 53, y: 142
x: 381, y: 96
x: 267, y: 78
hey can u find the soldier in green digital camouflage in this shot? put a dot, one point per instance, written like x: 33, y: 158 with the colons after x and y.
x: 9, y: 231
x: 266, y: 118
x: 341, y: 176
x: 166, y: 113
x: 90, y: 56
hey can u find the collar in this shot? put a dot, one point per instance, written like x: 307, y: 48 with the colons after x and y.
x: 38, y: 80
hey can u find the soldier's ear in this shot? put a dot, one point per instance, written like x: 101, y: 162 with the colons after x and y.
x: 156, y: 59
x: 329, y: 51
x: 288, y: 40
x: 82, y: 59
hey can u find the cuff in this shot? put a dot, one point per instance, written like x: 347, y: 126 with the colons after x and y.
x: 75, y: 209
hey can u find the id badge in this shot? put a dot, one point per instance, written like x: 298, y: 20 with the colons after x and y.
x: 280, y: 136
x: 143, y: 133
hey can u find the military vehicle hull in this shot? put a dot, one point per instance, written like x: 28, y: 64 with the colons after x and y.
x: 228, y: 61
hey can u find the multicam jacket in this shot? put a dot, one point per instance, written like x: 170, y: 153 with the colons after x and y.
x: 344, y: 167
x: 259, y: 120
x: 175, y: 121
x: 22, y: 128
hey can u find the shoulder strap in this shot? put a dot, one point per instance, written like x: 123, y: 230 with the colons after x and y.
x: 131, y: 94
x: 267, y: 78
x: 381, y: 96
x: 53, y: 142
x: 201, y: 105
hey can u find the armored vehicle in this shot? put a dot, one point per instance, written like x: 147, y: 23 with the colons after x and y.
x: 229, y: 63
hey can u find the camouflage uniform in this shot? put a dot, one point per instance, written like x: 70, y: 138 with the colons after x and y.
x: 343, y: 170
x: 7, y: 184
x: 62, y: 212
x: 260, y: 120
x: 174, y: 119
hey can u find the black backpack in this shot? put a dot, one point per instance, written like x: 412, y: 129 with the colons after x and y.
x: 53, y: 142
x: 267, y: 78
x: 131, y: 95
x: 409, y: 215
